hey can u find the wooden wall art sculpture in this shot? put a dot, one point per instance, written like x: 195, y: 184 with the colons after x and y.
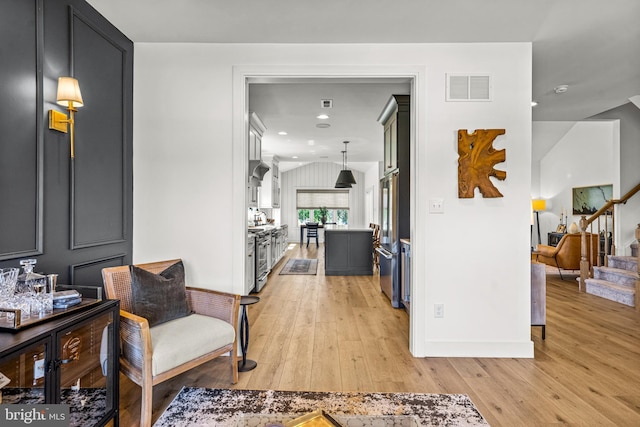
x: 476, y: 161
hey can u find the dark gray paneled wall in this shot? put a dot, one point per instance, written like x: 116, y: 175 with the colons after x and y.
x: 21, y: 164
x: 75, y: 217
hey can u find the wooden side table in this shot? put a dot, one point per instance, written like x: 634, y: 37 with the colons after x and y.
x: 246, y: 364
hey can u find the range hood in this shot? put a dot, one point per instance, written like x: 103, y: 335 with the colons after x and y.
x: 257, y: 169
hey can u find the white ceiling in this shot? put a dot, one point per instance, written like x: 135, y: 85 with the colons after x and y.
x: 591, y: 45
x: 293, y: 108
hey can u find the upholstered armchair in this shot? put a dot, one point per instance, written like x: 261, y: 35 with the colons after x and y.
x: 155, y: 349
x: 566, y: 255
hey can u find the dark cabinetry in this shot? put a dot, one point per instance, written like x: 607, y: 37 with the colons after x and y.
x: 70, y: 360
x: 395, y: 193
x: 348, y: 252
x: 554, y: 238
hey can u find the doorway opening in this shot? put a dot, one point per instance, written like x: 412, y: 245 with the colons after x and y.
x: 244, y: 77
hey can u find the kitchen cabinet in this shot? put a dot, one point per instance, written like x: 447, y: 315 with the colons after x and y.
x: 395, y: 118
x: 254, y: 160
x: 71, y: 359
x: 270, y: 190
x: 278, y: 243
x: 252, y: 195
x: 256, y: 131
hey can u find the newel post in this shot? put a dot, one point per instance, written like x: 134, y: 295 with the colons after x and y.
x: 584, y: 261
x: 637, y: 302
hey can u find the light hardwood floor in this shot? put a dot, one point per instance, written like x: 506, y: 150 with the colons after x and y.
x: 341, y: 334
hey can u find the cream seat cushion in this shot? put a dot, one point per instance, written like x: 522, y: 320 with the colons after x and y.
x: 182, y: 340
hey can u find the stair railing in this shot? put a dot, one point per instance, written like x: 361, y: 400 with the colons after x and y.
x: 586, y: 255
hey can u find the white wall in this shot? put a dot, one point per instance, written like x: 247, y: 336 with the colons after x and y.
x: 587, y: 155
x: 188, y: 177
x: 372, y: 185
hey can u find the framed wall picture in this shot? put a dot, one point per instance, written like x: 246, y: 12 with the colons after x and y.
x: 587, y: 200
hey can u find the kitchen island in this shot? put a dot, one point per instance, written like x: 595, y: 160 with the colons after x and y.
x: 348, y: 252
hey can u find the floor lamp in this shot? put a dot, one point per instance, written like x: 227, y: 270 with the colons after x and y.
x: 538, y: 205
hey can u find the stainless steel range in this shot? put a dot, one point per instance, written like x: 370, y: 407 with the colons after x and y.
x: 250, y: 264
x: 263, y: 252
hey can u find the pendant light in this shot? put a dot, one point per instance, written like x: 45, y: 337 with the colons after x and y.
x: 345, y: 178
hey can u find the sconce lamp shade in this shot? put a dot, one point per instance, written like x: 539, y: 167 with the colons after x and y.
x: 539, y: 204
x: 69, y: 92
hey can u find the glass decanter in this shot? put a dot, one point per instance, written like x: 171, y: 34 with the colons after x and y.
x: 28, y: 281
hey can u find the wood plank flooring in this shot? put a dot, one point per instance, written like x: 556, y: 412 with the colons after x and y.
x: 341, y: 334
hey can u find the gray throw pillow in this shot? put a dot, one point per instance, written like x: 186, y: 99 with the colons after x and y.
x: 159, y: 297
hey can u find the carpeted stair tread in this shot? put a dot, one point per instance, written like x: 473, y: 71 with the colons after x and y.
x: 623, y: 262
x: 611, y: 285
x: 611, y: 291
x: 615, y: 275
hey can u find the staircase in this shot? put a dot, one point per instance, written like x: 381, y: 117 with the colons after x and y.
x: 617, y: 282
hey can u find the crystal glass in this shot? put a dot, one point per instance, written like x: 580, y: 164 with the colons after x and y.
x: 22, y: 302
x: 8, y: 279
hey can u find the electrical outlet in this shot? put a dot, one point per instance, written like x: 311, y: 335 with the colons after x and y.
x: 438, y: 310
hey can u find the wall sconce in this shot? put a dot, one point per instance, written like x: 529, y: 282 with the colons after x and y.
x: 70, y: 97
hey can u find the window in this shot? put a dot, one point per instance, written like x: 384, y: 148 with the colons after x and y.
x: 308, y: 203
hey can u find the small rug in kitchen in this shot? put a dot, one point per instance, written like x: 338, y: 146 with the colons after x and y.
x: 300, y: 266
x: 195, y: 406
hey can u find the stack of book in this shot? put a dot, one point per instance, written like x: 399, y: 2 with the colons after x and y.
x: 66, y: 299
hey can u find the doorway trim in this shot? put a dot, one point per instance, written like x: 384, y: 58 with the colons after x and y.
x: 416, y: 74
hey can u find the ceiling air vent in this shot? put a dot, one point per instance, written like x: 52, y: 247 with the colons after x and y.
x: 468, y: 87
x: 326, y: 103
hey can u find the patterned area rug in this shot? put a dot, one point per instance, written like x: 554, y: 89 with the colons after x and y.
x: 220, y: 407
x: 300, y: 266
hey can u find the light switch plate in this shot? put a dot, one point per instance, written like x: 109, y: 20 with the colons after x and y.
x: 436, y: 205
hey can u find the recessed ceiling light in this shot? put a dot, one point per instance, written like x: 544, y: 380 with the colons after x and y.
x: 323, y: 125
x: 282, y: 132
x: 322, y: 117
x: 294, y: 157
x: 534, y: 103
x: 561, y: 89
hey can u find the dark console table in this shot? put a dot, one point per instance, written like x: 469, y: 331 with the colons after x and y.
x: 70, y: 360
